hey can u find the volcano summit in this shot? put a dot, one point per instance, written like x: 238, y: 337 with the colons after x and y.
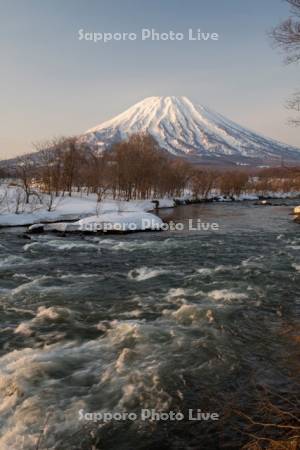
x: 191, y: 131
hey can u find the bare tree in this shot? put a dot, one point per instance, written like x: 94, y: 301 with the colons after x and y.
x: 233, y: 182
x: 203, y: 182
x: 73, y: 156
x: 51, y: 167
x: 275, y: 424
x: 294, y: 105
x: 50, y: 170
x: 19, y: 200
x: 3, y: 173
x: 25, y: 173
x: 99, y: 177
x: 286, y: 36
x: 137, y: 167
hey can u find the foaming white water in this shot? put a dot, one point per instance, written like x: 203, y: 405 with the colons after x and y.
x: 294, y: 247
x: 24, y: 377
x: 178, y: 292
x: 24, y: 328
x: 52, y: 314
x: 60, y: 245
x: 71, y: 276
x: 114, y: 370
x: 205, y: 271
x: 226, y: 295
x: 30, y: 246
x: 227, y: 268
x: 179, y: 296
x: 43, y: 284
x: 145, y: 273
x: 134, y: 245
x: 71, y: 245
x: 186, y: 314
x: 91, y: 243
x: 33, y: 284
x: 11, y: 261
x: 253, y: 262
x: 190, y: 314
x: 22, y: 276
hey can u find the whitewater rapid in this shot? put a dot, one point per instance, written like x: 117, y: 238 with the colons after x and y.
x: 161, y: 321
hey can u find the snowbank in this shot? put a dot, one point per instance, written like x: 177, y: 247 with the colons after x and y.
x: 131, y: 221
x: 74, y: 208
x: 245, y: 197
x: 108, y: 222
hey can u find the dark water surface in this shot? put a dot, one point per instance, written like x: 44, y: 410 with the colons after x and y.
x: 169, y: 321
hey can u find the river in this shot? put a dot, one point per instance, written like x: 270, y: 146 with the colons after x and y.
x: 169, y: 321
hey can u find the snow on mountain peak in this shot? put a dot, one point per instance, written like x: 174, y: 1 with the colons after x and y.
x: 188, y: 130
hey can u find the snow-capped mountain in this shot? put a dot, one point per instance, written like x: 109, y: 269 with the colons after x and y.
x: 192, y: 131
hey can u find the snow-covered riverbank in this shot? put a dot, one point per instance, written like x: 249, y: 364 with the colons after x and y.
x: 79, y: 207
x: 69, y: 212
x: 116, y: 222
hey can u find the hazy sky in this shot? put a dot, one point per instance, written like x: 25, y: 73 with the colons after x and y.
x: 52, y: 84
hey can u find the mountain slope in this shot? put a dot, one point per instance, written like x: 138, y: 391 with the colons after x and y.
x: 191, y: 131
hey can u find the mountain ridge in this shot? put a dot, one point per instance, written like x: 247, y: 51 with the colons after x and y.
x: 191, y: 131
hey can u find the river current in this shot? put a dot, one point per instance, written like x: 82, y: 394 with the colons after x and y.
x: 164, y: 321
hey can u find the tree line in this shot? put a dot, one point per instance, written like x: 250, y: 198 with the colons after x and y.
x: 133, y: 169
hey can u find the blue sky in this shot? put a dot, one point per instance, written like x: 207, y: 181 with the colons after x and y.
x: 52, y: 84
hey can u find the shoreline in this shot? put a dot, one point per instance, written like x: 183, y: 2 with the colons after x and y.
x: 119, y: 223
